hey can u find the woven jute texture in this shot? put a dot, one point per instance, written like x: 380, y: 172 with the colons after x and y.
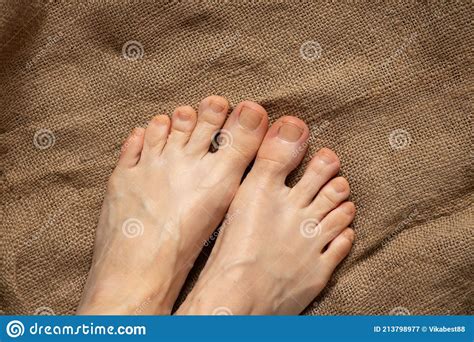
x: 387, y: 85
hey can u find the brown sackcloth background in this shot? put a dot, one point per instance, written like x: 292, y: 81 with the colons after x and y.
x: 387, y: 85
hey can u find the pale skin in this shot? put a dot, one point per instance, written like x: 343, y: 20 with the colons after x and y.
x: 277, y: 248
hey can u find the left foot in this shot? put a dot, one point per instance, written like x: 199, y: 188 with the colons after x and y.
x: 166, y: 195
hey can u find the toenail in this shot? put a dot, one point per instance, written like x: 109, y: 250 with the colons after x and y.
x: 216, y: 106
x: 349, y: 234
x: 290, y: 132
x: 183, y: 116
x: 339, y: 186
x: 348, y: 209
x: 160, y: 120
x: 250, y: 118
x: 325, y: 158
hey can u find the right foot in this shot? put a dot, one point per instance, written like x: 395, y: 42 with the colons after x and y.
x: 279, y: 245
x: 167, y: 193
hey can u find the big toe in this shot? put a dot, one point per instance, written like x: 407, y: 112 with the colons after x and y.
x: 283, y: 147
x: 243, y: 132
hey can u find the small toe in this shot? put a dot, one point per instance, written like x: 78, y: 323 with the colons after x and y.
x: 132, y: 148
x: 335, y: 222
x: 282, y: 148
x: 324, y: 165
x: 211, y: 116
x: 338, y: 249
x: 155, y: 136
x: 243, y: 132
x: 183, y: 122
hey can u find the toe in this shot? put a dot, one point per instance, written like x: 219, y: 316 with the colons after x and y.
x: 324, y: 165
x: 132, y: 148
x: 335, y: 222
x: 183, y: 122
x: 211, y: 115
x: 330, y: 196
x: 282, y: 148
x: 243, y: 132
x: 155, y: 136
x: 337, y: 250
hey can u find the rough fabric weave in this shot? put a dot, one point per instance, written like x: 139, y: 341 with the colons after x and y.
x: 387, y: 85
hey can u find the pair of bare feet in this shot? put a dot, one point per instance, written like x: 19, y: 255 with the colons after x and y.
x: 277, y: 247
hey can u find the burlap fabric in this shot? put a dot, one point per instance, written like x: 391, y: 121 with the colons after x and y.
x: 388, y: 86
